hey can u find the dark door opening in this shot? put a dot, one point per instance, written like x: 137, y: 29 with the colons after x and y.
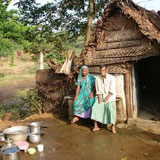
x: 148, y: 77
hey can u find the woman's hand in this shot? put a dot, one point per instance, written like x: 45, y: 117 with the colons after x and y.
x: 90, y: 95
x: 75, y: 98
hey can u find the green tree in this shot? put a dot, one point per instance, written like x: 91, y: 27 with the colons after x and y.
x: 72, y: 16
x: 11, y: 31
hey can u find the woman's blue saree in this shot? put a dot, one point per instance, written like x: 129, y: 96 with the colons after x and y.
x: 83, y: 102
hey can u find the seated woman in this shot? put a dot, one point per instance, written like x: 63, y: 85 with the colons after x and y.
x: 84, y: 98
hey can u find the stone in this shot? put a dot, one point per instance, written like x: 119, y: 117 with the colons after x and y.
x: 122, y: 125
x: 145, y: 154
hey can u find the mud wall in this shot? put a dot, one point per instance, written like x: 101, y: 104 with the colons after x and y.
x: 53, y: 88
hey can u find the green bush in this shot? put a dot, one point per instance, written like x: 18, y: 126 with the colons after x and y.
x: 59, y: 59
x: 32, y: 101
x: 8, y: 47
x: 2, y: 75
x: 17, y: 111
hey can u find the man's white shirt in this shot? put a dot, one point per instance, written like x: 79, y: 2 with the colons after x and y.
x: 106, y: 86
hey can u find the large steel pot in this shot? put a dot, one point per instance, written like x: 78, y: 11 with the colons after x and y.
x: 10, y: 151
x: 17, y: 133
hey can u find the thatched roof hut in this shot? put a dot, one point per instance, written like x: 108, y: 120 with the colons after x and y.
x: 127, y: 39
x: 126, y: 34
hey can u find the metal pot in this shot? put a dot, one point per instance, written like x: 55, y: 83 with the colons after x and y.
x: 10, y: 151
x: 35, y: 127
x: 34, y: 138
x: 11, y: 156
x: 17, y: 133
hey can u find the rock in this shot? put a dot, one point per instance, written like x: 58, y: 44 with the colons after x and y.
x: 123, y: 149
x: 121, y: 125
x: 145, y: 154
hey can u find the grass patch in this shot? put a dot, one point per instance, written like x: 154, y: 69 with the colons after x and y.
x: 28, y: 104
x: 21, y: 93
x: 9, y: 80
x: 21, y: 71
x: 32, y: 70
x: 16, y: 111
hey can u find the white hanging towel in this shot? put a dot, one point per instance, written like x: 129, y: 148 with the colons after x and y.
x: 66, y: 67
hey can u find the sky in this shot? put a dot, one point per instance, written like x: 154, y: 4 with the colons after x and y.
x: 148, y: 4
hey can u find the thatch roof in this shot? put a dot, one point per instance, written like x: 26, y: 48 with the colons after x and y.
x: 148, y: 21
x: 113, y: 43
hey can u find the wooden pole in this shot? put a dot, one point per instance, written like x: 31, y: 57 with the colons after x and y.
x: 41, y: 60
x: 127, y: 80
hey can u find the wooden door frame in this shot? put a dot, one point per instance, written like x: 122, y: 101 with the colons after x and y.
x: 128, y: 93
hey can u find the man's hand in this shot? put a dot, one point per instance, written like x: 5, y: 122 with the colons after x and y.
x: 90, y: 95
x: 75, y: 98
x: 106, y: 99
x: 99, y: 98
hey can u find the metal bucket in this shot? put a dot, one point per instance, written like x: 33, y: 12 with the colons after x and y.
x: 35, y: 127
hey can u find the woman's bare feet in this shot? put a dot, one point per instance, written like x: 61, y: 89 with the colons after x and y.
x: 74, y: 120
x: 95, y: 129
x: 113, y: 129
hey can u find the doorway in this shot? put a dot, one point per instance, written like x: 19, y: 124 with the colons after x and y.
x: 148, y: 88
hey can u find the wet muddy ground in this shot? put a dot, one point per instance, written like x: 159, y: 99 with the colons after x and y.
x: 63, y: 141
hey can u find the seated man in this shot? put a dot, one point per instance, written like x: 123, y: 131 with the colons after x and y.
x: 104, y: 110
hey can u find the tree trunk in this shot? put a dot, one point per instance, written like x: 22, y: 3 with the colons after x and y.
x: 90, y: 19
x: 41, y: 60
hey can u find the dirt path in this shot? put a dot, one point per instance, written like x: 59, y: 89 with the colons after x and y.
x: 16, y: 78
x: 9, y: 91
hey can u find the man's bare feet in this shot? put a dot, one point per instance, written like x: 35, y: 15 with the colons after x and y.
x: 95, y: 129
x: 74, y: 120
x: 113, y: 129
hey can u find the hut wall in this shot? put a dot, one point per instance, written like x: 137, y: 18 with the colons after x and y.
x: 120, y: 94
